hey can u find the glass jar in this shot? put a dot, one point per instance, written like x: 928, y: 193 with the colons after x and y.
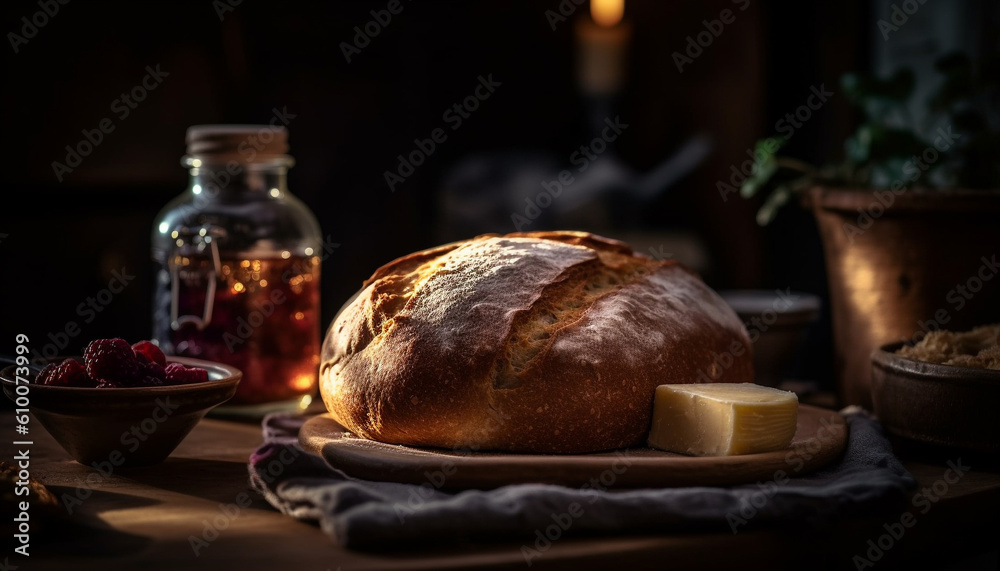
x: 238, y: 268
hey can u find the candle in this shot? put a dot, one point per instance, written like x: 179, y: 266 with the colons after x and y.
x: 602, y: 44
x: 607, y: 13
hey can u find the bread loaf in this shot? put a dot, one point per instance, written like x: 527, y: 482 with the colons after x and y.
x: 542, y: 342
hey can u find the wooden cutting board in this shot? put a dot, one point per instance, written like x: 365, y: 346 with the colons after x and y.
x: 819, y: 440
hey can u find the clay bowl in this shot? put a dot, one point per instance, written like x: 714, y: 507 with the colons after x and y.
x: 136, y: 426
x: 777, y: 324
x: 938, y: 405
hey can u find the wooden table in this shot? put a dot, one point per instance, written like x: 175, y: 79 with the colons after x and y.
x: 142, y: 518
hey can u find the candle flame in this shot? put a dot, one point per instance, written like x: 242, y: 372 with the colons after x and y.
x: 607, y: 13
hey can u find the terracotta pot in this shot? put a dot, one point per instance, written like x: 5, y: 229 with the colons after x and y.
x: 925, y: 261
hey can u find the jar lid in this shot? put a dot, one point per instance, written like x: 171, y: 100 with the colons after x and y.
x: 245, y: 143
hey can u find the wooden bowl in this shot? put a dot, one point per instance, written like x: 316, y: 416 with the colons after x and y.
x: 135, y: 426
x: 940, y: 405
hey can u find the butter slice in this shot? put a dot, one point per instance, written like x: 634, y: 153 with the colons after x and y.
x: 722, y: 419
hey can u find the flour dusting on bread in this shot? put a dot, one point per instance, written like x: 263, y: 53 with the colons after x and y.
x: 547, y: 342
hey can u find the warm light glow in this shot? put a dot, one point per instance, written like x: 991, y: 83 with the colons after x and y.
x: 607, y: 13
x: 305, y: 401
x: 237, y: 287
x: 303, y: 382
x: 861, y: 274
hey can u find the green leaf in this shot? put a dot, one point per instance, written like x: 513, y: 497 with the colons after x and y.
x: 863, y: 90
x: 764, y: 167
x: 853, y: 87
x: 769, y: 146
x: 859, y: 146
x: 774, y: 202
x: 889, y: 171
x: 758, y: 178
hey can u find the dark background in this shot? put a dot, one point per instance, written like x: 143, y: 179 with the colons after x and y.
x: 63, y: 239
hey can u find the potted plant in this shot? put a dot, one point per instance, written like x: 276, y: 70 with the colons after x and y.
x: 909, y: 218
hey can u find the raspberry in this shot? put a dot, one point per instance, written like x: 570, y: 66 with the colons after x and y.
x: 150, y: 369
x: 153, y: 375
x: 112, y: 360
x: 173, y: 368
x: 178, y: 374
x: 45, y: 374
x: 151, y: 351
x: 70, y: 373
x: 151, y: 382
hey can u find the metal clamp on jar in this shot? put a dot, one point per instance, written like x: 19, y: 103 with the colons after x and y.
x: 238, y: 268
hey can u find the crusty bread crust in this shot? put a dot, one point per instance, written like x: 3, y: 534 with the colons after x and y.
x: 545, y: 342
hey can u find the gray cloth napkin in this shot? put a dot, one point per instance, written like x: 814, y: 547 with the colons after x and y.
x: 364, y: 514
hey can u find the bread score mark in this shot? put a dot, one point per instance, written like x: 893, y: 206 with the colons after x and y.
x: 563, y: 303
